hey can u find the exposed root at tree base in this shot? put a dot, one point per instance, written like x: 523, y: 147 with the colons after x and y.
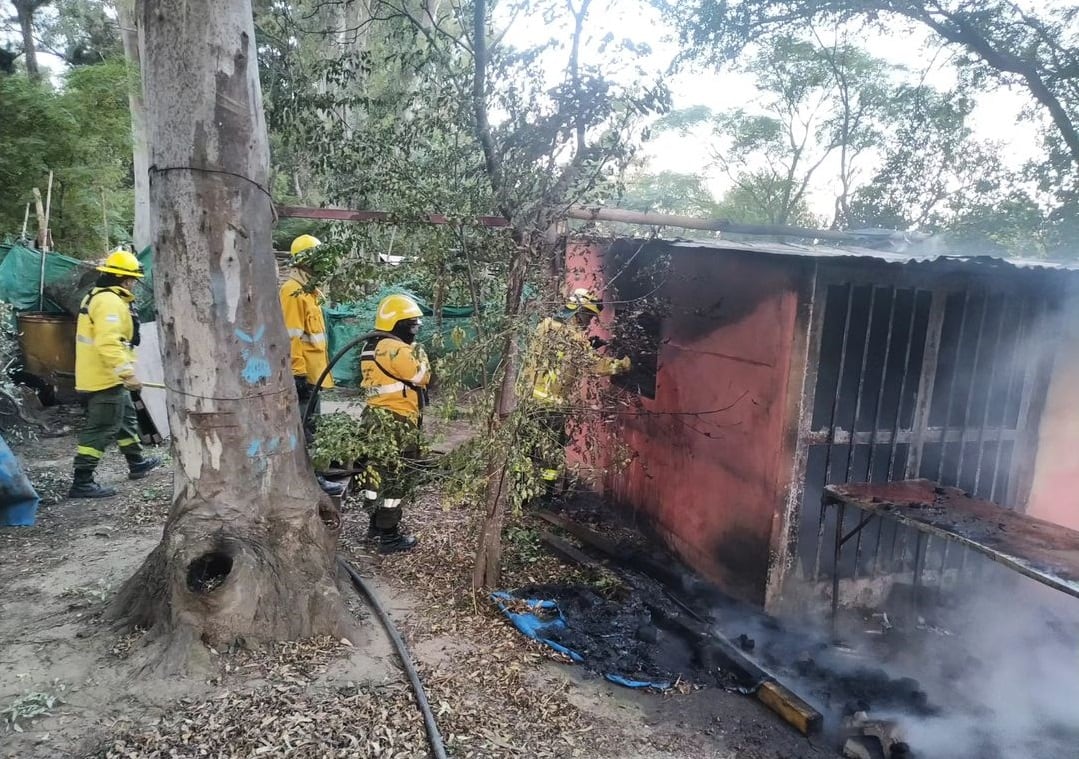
x: 225, y: 590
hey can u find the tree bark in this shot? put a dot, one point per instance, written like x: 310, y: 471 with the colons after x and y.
x: 247, y: 553
x: 129, y: 35
x: 487, y: 567
x: 24, y: 12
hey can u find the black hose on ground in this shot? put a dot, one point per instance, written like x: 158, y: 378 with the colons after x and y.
x: 434, y: 737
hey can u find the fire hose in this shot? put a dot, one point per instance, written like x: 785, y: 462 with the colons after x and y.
x: 434, y: 737
x: 310, y: 407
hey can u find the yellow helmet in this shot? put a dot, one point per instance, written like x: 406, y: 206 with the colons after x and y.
x: 122, y: 263
x: 395, y: 308
x: 583, y: 298
x: 304, y: 242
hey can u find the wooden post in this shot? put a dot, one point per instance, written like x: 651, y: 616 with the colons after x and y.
x: 48, y: 212
x: 105, y: 221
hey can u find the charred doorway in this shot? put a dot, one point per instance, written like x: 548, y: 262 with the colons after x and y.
x: 936, y: 377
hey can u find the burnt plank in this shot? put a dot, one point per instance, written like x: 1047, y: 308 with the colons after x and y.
x: 1041, y: 550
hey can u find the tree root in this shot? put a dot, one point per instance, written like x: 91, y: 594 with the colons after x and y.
x: 231, y: 586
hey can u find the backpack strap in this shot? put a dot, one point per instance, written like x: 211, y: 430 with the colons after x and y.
x: 84, y: 308
x: 368, y: 354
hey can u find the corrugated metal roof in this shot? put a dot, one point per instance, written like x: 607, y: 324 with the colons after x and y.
x: 919, y: 252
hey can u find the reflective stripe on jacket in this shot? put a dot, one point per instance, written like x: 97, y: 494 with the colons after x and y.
x: 103, y: 352
x: 410, y: 369
x: 306, y: 329
x: 551, y: 364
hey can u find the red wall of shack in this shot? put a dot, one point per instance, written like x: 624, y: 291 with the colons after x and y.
x: 712, y: 484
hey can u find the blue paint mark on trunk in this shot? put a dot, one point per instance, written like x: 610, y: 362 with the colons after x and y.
x: 255, y: 370
x: 256, y: 366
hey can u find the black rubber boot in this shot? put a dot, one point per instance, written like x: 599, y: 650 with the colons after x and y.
x: 386, y: 524
x: 331, y: 489
x: 394, y: 541
x: 140, y: 466
x: 83, y: 486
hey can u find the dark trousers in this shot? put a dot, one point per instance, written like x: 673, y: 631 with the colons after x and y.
x: 304, y: 391
x: 552, y: 465
x: 110, y: 416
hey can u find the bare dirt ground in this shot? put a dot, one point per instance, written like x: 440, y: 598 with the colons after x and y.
x: 69, y: 688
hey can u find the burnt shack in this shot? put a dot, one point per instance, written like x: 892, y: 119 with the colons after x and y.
x: 764, y: 371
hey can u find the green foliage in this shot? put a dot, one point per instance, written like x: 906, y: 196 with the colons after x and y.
x: 30, y: 706
x: 82, y: 133
x: 819, y: 103
x: 936, y: 177
x: 81, y: 31
x: 526, y: 544
x: 374, y: 442
x: 404, y: 111
x: 995, y: 44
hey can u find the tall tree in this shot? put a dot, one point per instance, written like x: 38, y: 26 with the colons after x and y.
x: 669, y: 192
x: 24, y: 14
x: 80, y: 133
x: 82, y: 32
x: 130, y: 37
x: 478, y: 126
x: 247, y: 552
x: 935, y: 176
x: 1035, y: 49
x: 818, y: 114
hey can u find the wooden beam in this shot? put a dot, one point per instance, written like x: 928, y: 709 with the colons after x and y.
x: 759, y: 683
x: 384, y: 217
x: 569, y: 551
x: 788, y: 705
x: 621, y: 215
x: 582, y: 533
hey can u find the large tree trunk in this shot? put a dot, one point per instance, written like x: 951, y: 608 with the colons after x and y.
x: 248, y: 549
x: 129, y: 34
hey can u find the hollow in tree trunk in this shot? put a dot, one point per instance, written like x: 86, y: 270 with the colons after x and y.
x: 247, y: 553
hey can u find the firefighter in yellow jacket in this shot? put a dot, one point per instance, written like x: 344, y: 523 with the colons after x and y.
x: 308, y: 346
x: 396, y: 373
x: 107, y: 333
x: 559, y: 351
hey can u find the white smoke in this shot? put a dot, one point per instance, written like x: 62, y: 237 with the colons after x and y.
x: 1007, y: 679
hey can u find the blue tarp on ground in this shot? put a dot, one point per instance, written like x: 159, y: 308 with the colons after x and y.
x: 18, y: 499
x: 549, y: 620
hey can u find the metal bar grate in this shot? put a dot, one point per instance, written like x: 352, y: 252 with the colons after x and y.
x: 936, y: 379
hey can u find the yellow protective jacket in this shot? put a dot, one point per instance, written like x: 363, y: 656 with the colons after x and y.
x: 306, y: 328
x: 104, y: 331
x: 395, y: 376
x: 554, y: 356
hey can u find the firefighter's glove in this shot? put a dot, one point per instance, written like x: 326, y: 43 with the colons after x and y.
x: 132, y: 383
x: 623, y: 365
x: 597, y: 342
